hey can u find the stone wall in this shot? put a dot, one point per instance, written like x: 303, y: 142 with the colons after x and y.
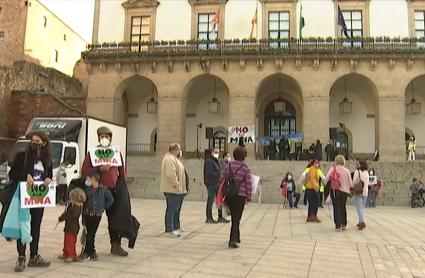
x: 65, y: 93
x: 28, y: 104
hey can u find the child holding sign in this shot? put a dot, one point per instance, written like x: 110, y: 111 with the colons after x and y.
x: 72, y: 226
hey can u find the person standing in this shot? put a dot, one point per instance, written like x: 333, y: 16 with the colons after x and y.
x: 242, y: 176
x: 212, y: 171
x: 319, y: 150
x: 361, y: 175
x: 272, y: 148
x: 225, y: 160
x: 329, y: 151
x: 62, y: 192
x: 284, y: 148
x: 412, y: 149
x: 33, y: 165
x: 310, y: 179
x: 339, y: 196
x: 108, y: 177
x: 173, y: 185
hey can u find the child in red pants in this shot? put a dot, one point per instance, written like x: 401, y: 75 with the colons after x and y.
x: 72, y: 226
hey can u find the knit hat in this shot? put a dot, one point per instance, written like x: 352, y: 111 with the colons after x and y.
x: 104, y: 130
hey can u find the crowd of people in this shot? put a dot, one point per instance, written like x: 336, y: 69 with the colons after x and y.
x: 100, y: 189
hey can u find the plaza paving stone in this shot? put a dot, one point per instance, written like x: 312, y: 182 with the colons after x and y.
x: 276, y: 242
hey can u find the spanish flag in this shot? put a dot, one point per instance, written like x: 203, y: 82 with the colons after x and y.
x: 253, y: 24
x: 215, y: 21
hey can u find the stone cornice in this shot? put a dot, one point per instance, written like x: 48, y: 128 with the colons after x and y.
x: 207, y: 2
x: 140, y: 4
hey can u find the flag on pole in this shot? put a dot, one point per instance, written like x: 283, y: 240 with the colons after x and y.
x: 253, y: 24
x: 215, y: 21
x: 341, y: 22
x: 302, y: 22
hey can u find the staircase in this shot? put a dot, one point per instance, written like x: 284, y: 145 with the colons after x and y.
x: 396, y: 177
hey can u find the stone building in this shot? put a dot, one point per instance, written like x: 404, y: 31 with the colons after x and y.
x: 30, y: 32
x: 170, y: 63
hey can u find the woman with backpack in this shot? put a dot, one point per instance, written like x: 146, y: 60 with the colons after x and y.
x: 237, y: 191
x: 339, y: 182
x: 361, y: 176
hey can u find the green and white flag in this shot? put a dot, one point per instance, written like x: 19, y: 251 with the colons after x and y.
x: 302, y: 22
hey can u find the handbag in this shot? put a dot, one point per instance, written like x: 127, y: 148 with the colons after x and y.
x: 358, y: 187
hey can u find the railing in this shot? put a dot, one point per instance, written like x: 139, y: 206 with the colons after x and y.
x: 420, y: 152
x: 139, y: 150
x: 374, y: 47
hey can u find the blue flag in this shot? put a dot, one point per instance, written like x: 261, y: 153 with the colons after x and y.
x: 341, y: 22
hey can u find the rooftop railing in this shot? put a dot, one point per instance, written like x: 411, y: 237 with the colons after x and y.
x: 313, y: 47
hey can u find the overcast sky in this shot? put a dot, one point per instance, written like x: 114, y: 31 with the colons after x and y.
x: 78, y: 14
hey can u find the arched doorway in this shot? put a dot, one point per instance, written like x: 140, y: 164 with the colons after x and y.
x: 219, y: 141
x: 341, y: 144
x: 279, y: 123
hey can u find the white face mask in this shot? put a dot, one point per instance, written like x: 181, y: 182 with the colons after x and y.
x: 216, y: 155
x: 62, y: 168
x: 104, y: 142
x: 289, y: 178
x: 229, y: 159
x: 181, y: 153
x: 371, y: 173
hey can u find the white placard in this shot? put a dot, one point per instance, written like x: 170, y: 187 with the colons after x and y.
x: 105, y: 156
x: 255, y: 181
x: 38, y: 195
x: 247, y: 132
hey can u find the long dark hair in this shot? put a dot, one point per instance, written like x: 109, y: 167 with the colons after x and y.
x: 286, y: 176
x: 46, y: 152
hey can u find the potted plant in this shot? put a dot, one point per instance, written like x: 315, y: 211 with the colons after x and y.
x: 173, y: 42
x: 236, y: 41
x: 180, y: 42
x: 378, y: 39
x: 156, y: 43
x: 387, y: 39
x: 320, y: 39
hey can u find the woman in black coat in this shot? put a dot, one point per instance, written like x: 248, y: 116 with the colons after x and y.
x: 33, y: 165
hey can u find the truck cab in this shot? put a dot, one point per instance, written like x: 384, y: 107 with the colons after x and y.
x: 62, y: 152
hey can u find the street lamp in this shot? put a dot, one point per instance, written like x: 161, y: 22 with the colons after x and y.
x: 279, y: 104
x: 214, y: 104
x: 413, y: 107
x: 152, y: 103
x: 345, y: 107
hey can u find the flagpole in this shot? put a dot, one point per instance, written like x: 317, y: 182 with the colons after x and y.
x: 256, y: 25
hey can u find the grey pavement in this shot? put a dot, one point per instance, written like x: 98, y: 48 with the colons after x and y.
x: 276, y: 242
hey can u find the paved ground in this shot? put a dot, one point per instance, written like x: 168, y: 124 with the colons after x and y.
x: 275, y: 243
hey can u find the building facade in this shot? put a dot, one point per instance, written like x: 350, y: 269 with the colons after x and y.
x: 184, y: 54
x: 31, y: 32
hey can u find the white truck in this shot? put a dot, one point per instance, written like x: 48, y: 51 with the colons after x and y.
x: 71, y: 138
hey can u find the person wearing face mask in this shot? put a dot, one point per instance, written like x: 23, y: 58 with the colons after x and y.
x: 174, y: 186
x: 291, y: 192
x: 108, y: 177
x: 212, y: 171
x: 225, y: 160
x: 62, y: 181
x: 99, y: 199
x: 33, y: 165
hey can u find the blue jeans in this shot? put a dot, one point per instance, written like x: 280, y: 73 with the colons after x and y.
x: 172, y: 213
x: 212, y: 193
x: 360, y: 205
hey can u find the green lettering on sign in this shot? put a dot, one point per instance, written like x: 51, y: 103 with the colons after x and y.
x: 104, y: 153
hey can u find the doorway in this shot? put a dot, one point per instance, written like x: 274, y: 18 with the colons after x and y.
x: 341, y: 144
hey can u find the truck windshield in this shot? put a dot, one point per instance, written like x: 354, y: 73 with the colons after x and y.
x: 21, y: 146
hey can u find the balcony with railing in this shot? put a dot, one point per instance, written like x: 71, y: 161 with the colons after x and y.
x: 140, y: 150
x: 309, y: 47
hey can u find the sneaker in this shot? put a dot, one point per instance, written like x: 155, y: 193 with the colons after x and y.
x: 70, y: 260
x: 94, y: 257
x: 174, y: 234
x: 296, y: 206
x: 62, y: 257
x: 233, y: 245
x: 83, y: 257
x: 38, y: 261
x: 223, y: 220
x: 20, y: 264
x: 210, y: 221
x: 181, y: 230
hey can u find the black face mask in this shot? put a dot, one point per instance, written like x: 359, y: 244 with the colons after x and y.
x: 36, y: 146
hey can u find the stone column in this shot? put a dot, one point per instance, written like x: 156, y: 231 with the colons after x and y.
x: 391, y: 128
x: 315, y: 120
x: 241, y: 113
x: 171, y: 124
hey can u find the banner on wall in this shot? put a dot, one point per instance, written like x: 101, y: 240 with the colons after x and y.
x: 247, y: 132
x: 294, y: 137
